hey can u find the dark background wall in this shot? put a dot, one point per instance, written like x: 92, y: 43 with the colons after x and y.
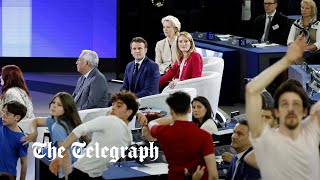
x: 142, y: 18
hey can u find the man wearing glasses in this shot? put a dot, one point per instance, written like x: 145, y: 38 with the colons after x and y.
x: 272, y: 26
x: 91, y: 90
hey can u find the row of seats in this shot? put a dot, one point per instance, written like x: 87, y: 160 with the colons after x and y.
x: 208, y: 86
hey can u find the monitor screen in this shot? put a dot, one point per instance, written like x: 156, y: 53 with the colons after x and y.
x: 59, y: 28
x: 208, y: 53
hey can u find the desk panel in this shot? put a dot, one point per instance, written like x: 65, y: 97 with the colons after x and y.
x: 250, y: 62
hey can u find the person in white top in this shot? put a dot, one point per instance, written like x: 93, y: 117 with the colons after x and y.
x: 202, y: 115
x: 292, y: 151
x: 307, y: 24
x: 15, y: 88
x: 166, y: 49
x: 108, y: 131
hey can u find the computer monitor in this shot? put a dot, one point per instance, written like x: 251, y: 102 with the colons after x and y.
x: 208, y: 53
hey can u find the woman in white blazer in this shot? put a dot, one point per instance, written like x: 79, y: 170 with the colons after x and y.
x: 166, y: 49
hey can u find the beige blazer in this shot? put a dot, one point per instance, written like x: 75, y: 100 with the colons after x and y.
x: 164, y: 55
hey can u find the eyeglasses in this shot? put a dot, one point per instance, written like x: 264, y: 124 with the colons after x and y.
x: 7, y: 113
x: 268, y: 4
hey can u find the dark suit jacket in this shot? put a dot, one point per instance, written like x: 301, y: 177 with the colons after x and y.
x: 279, y: 29
x: 244, y: 171
x: 147, y: 80
x: 94, y: 92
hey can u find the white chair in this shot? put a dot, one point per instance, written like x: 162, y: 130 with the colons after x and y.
x: 208, y: 86
x: 89, y: 114
x: 215, y: 64
x: 158, y: 101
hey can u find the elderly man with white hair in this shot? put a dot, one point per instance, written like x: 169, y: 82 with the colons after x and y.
x: 91, y: 90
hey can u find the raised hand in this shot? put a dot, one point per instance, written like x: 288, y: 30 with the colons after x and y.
x: 315, y: 112
x: 296, y: 50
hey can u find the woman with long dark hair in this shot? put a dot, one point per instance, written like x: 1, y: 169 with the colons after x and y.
x: 14, y: 88
x: 63, y: 119
x: 202, y: 114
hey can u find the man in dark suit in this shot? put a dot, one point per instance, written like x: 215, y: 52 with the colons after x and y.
x: 142, y: 74
x: 91, y: 90
x: 239, y: 169
x: 272, y: 26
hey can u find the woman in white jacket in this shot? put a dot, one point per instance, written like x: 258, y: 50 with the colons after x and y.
x: 166, y: 49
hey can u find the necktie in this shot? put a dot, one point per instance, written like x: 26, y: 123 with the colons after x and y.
x: 235, y: 166
x: 79, y: 89
x: 266, y: 35
x: 134, y: 76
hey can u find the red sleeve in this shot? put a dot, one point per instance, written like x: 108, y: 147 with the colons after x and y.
x: 197, y: 64
x: 155, y: 130
x: 169, y: 75
x: 207, y: 145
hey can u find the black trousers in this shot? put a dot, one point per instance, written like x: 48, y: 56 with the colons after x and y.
x: 76, y: 174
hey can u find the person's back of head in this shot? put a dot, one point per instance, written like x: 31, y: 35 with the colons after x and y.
x: 5, y: 176
x: 179, y: 102
x: 12, y: 77
x: 291, y: 85
x: 267, y: 99
x: 129, y: 99
x: 16, y: 108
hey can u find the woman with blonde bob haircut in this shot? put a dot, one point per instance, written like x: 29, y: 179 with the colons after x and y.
x: 308, y: 25
x: 166, y: 48
x: 189, y: 64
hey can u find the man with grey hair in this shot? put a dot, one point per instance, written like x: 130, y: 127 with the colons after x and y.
x: 91, y: 90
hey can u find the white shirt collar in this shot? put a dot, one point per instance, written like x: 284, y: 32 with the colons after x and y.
x: 86, y: 75
x: 140, y: 62
x: 241, y: 154
x: 271, y: 14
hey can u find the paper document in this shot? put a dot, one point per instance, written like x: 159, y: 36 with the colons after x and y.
x: 262, y: 45
x: 222, y: 132
x: 153, y: 168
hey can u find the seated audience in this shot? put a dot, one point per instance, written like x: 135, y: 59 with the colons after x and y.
x: 166, y: 49
x: 183, y: 143
x: 108, y: 131
x: 91, y: 90
x: 11, y: 148
x: 188, y: 66
x: 307, y: 25
x: 238, y: 168
x: 268, y: 116
x: 142, y: 74
x: 63, y: 119
x: 202, y: 115
x: 292, y: 151
x: 272, y: 26
x: 15, y: 88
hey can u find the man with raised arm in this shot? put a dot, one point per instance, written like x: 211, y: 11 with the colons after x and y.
x: 292, y: 151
